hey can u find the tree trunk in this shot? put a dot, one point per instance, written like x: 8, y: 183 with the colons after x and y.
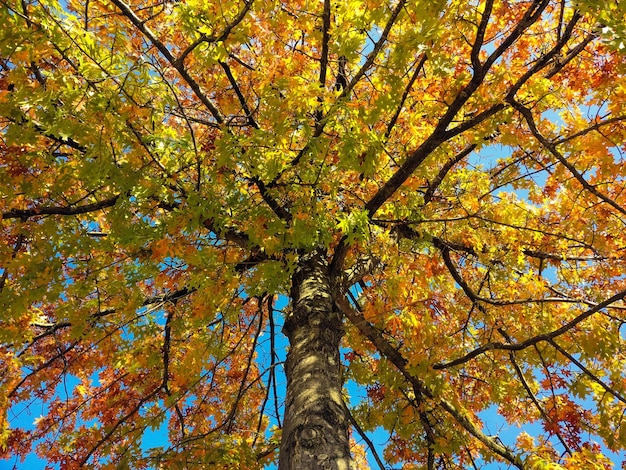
x: 315, y: 430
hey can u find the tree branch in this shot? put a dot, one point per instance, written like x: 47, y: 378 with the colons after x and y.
x: 491, y: 346
x: 587, y: 372
x: 405, y: 94
x: 441, y: 133
x: 240, y: 97
x: 368, y: 441
x: 325, y: 42
x: 213, y: 38
x: 593, y: 127
x: 401, y: 364
x: 178, y: 65
x: 432, y: 187
x: 552, y: 148
x: 529, y: 392
x: 480, y: 36
x: 60, y: 210
x: 279, y: 210
x: 321, y: 121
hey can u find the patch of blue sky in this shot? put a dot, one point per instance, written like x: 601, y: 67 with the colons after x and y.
x: 92, y: 228
x: 494, y: 424
x: 487, y: 159
x: 156, y: 436
x: 24, y: 415
x: 272, y: 352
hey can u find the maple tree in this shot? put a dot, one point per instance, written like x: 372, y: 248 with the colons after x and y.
x: 438, y: 188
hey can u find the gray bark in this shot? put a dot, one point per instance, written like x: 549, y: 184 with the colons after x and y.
x: 315, y: 429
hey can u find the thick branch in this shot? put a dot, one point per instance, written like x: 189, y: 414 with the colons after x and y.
x: 362, y: 267
x: 552, y: 148
x: 570, y: 55
x: 441, y: 133
x: 394, y: 356
x: 240, y: 97
x: 548, y: 337
x: 60, y: 210
x: 279, y: 210
x: 178, y: 65
x: 480, y: 36
x: 325, y: 42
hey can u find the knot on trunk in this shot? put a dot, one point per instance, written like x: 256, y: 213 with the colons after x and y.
x: 309, y: 436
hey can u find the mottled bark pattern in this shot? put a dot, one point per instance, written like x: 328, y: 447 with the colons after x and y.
x: 315, y: 431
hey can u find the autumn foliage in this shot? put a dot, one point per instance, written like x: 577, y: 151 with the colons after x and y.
x: 456, y: 169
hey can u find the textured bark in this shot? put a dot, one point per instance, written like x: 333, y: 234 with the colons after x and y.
x: 315, y: 430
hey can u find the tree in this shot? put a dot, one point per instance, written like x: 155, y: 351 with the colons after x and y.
x: 437, y: 187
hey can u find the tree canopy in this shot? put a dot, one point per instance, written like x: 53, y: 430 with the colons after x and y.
x: 426, y: 198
